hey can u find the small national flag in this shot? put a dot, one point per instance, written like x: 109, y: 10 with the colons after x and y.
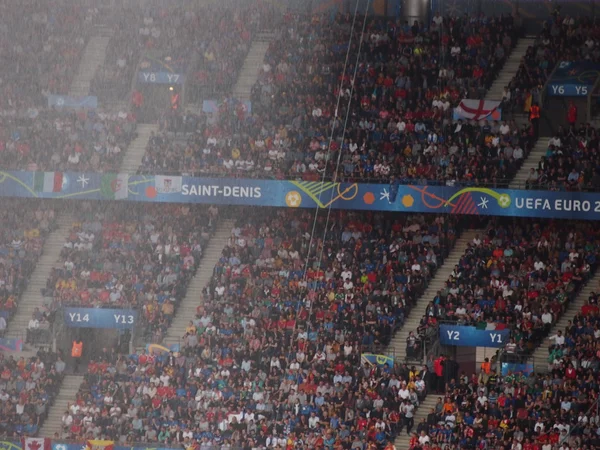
x: 167, y: 185
x: 115, y: 186
x: 100, y: 445
x: 48, y: 181
x: 36, y: 444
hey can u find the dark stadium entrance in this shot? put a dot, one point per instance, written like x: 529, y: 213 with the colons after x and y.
x: 94, y: 334
x: 152, y: 100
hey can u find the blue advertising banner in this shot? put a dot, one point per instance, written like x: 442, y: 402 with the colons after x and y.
x: 467, y: 336
x: 100, y: 318
x: 525, y: 369
x: 11, y: 345
x: 214, y: 106
x: 302, y: 194
x: 68, y: 102
x: 573, y: 79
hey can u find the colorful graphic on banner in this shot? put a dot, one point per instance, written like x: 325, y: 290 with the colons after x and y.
x: 302, y: 194
x: 68, y: 102
x: 99, y: 318
x: 467, y: 336
x: 377, y: 360
x: 573, y: 79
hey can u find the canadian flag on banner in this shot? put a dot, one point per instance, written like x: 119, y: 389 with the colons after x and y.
x: 36, y: 444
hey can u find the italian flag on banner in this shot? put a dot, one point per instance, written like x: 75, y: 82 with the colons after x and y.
x: 48, y: 181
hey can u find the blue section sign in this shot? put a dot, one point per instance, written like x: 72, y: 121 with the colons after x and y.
x: 302, y: 194
x: 573, y: 79
x: 467, y: 336
x: 161, y: 77
x: 100, y: 318
x: 68, y: 102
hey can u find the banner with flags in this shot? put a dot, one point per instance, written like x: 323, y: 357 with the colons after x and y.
x: 478, y: 110
x: 30, y: 443
x: 377, y: 360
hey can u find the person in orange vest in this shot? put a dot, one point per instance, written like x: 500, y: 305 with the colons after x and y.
x: 486, y: 369
x: 76, y: 352
x: 534, y: 118
x: 572, y: 114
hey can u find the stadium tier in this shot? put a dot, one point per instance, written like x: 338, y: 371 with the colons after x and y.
x: 135, y: 258
x: 260, y: 362
x: 151, y: 332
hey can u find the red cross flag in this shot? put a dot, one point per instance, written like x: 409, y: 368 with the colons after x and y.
x: 478, y: 109
x: 36, y: 444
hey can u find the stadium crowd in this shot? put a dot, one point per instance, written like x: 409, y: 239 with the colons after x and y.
x: 571, y: 161
x: 124, y: 256
x: 28, y: 388
x: 273, y: 356
x: 55, y: 140
x: 23, y: 231
x: 43, y: 43
x: 562, y: 38
x: 399, y: 124
x: 520, y: 275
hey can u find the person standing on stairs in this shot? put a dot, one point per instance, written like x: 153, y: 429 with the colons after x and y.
x: 76, y: 353
x: 572, y: 114
x: 534, y: 118
x: 408, y: 409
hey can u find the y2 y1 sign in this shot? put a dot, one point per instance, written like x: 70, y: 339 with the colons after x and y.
x: 472, y: 337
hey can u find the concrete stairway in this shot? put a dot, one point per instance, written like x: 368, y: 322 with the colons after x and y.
x: 187, y: 309
x: 532, y: 161
x: 250, y: 70
x: 540, y: 356
x: 66, y: 396
x: 397, y: 346
x: 136, y: 150
x: 509, y: 69
x: 32, y: 297
x: 403, y: 439
x: 93, y: 57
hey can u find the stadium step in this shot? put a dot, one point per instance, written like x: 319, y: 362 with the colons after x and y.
x: 397, y: 346
x: 252, y: 65
x: 421, y: 412
x: 66, y: 396
x: 540, y: 356
x: 93, y: 57
x: 136, y: 150
x: 531, y: 162
x: 32, y: 296
x: 509, y: 69
x: 186, y: 311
